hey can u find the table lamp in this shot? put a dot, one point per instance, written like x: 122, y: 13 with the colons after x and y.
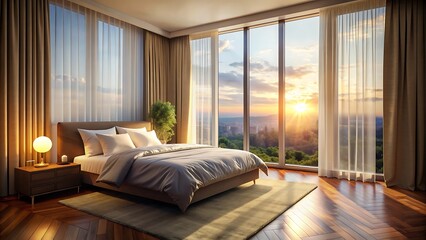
x: 42, y: 145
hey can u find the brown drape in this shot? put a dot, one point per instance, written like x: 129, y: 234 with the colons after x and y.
x: 404, y: 95
x: 167, y: 77
x: 25, y: 83
x: 156, y: 70
x: 178, y: 87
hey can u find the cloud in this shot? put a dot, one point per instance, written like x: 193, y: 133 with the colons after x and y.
x: 263, y: 83
x: 263, y: 100
x: 257, y: 69
x: 265, y: 66
x: 230, y: 99
x: 352, y: 97
x: 65, y: 78
x: 224, y: 45
x: 231, y: 79
x: 231, y: 89
x: 235, y: 80
x: 236, y: 64
x: 354, y: 31
x: 262, y: 86
x: 70, y: 80
x: 257, y: 66
x: 297, y: 72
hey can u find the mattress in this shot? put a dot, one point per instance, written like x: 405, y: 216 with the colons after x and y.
x: 177, y: 170
x: 93, y: 164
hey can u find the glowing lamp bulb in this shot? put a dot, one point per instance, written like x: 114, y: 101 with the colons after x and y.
x: 42, y: 144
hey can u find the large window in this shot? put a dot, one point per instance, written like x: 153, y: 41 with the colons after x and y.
x: 268, y: 93
x: 96, y: 66
x: 260, y: 125
x: 301, y: 91
x: 231, y: 103
x: 263, y: 92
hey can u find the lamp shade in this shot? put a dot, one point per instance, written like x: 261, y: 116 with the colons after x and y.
x: 42, y: 144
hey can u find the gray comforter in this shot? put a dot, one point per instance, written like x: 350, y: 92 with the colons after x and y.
x: 177, y: 169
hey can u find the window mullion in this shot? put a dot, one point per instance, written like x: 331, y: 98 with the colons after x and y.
x: 281, y: 93
x: 215, y: 121
x: 246, y: 80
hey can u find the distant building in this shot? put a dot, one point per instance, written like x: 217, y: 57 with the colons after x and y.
x: 236, y: 130
x: 254, y: 129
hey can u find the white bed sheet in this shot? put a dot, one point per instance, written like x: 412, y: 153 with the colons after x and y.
x: 93, y: 164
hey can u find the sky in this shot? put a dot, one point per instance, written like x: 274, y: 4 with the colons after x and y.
x: 301, y: 70
x: 90, y: 66
x: 301, y: 65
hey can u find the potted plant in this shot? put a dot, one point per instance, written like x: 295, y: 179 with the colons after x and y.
x: 163, y: 119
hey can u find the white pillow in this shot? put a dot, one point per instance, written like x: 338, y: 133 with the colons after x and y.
x: 92, y: 146
x: 122, y: 130
x: 115, y: 143
x: 144, y: 139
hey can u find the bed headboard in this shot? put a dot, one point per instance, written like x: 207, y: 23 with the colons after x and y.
x: 69, y: 140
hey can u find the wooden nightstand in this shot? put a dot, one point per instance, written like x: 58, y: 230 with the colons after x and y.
x: 33, y: 181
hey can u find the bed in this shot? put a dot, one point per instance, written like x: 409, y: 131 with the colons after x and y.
x: 71, y: 144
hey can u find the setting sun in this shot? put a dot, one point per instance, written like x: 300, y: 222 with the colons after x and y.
x: 300, y: 107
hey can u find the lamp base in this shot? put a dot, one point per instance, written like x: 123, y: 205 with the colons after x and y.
x: 43, y: 164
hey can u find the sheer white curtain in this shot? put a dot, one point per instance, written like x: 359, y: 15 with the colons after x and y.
x: 96, y: 66
x: 351, y: 88
x: 203, y: 109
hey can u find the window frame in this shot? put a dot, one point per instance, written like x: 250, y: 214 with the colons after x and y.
x: 92, y: 23
x: 281, y: 91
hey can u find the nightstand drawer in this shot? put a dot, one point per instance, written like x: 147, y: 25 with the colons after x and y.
x: 68, y: 182
x: 32, y: 181
x: 45, y: 175
x: 68, y: 171
x: 42, y: 189
x: 39, y: 182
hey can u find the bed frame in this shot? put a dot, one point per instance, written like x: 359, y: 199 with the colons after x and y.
x: 70, y: 144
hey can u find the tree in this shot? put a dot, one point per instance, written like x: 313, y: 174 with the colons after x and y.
x: 226, y: 143
x: 163, y: 119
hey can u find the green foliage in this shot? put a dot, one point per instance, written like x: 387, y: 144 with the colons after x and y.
x: 379, y: 149
x: 264, y: 145
x: 379, y: 166
x: 379, y: 158
x: 300, y: 158
x: 268, y: 154
x: 235, y: 142
x: 226, y: 143
x: 163, y: 118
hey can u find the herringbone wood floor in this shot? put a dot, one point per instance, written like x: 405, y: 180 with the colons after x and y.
x: 337, y: 209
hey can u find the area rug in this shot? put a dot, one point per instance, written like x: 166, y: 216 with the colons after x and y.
x: 235, y: 214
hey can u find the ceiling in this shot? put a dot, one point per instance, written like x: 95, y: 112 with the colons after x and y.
x: 175, y: 15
